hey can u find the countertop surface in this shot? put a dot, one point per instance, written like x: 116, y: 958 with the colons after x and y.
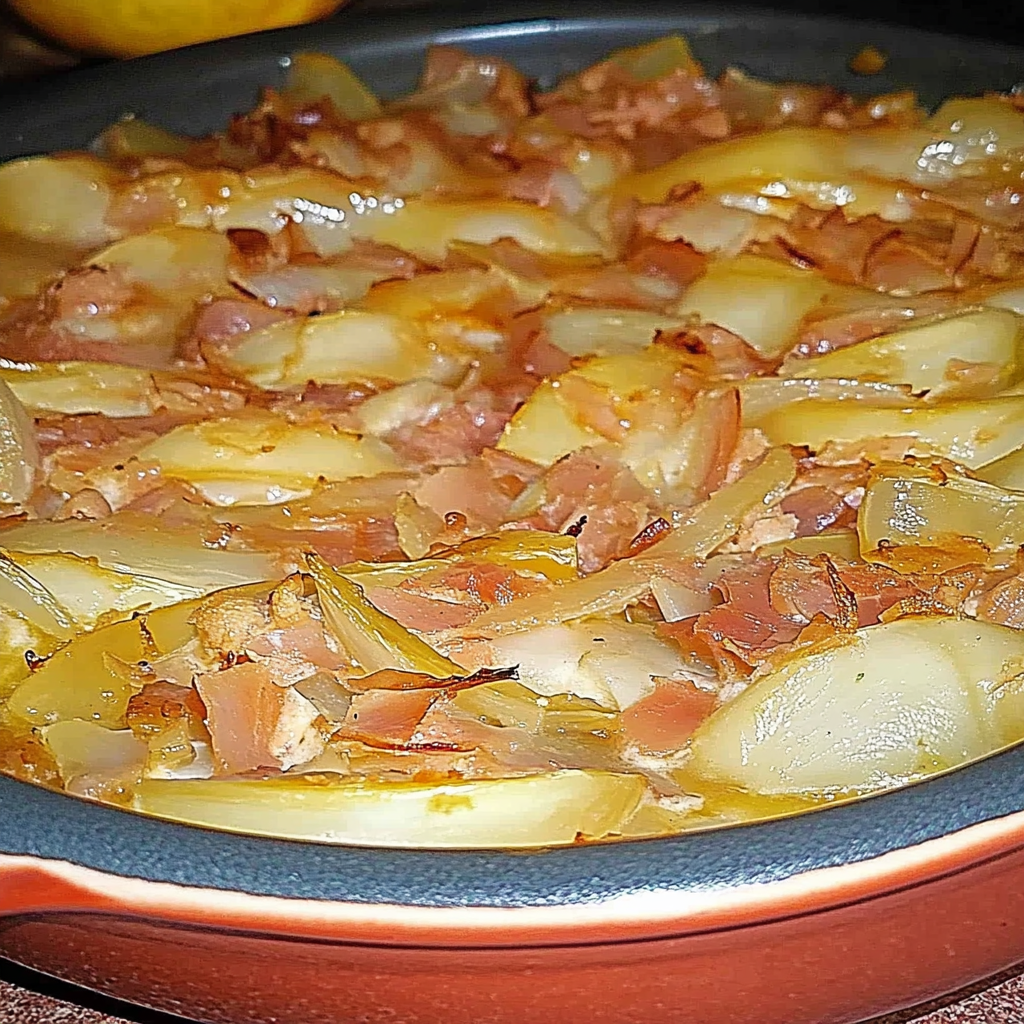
x: 28, y: 998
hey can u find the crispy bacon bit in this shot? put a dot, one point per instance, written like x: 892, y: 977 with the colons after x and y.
x: 392, y: 679
x: 34, y: 661
x: 649, y: 535
x: 575, y: 529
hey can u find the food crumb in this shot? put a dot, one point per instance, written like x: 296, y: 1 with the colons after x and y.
x: 870, y: 61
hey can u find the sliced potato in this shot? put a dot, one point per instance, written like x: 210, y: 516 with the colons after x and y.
x: 19, y: 449
x: 331, y: 212
x: 834, y: 543
x: 426, y: 227
x: 761, y: 300
x: 88, y: 748
x: 61, y: 200
x: 536, y: 810
x: 552, y: 422
x: 545, y: 428
x: 27, y: 266
x: 798, y: 154
x: 132, y: 138
x: 262, y: 459
x: 611, y: 663
x: 80, y: 680
x: 73, y: 388
x: 963, y: 133
x: 314, y: 76
x: 338, y: 348
x: 874, y: 710
x: 184, y: 262
x: 1006, y: 472
x: 606, y: 331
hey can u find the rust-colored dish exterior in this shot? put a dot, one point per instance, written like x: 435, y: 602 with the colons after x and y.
x: 827, y: 918
x: 830, y: 946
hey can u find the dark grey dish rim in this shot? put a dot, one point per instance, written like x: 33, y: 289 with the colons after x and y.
x: 67, y: 111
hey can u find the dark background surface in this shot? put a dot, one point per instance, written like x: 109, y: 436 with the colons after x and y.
x: 28, y: 998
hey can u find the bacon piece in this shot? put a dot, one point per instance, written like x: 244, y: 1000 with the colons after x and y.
x: 606, y: 492
x: 254, y: 723
x: 223, y: 320
x: 456, y: 434
x: 161, y: 704
x: 816, y: 509
x: 769, y: 602
x: 838, y: 247
x: 302, y: 644
x: 423, y: 612
x: 388, y: 718
x: 899, y: 266
x: 730, y: 354
x: 482, y: 490
x: 746, y: 621
x: 676, y: 262
x: 665, y: 718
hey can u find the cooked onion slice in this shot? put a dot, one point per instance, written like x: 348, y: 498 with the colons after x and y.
x: 915, y: 505
x: 873, y: 710
x: 975, y: 355
x: 373, y: 640
x: 551, y: 555
x: 972, y: 432
x: 23, y: 593
x: 760, y: 396
x: 535, y: 810
x: 141, y: 546
x: 88, y: 592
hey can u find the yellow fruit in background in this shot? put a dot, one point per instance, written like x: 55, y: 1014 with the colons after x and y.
x: 131, y: 28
